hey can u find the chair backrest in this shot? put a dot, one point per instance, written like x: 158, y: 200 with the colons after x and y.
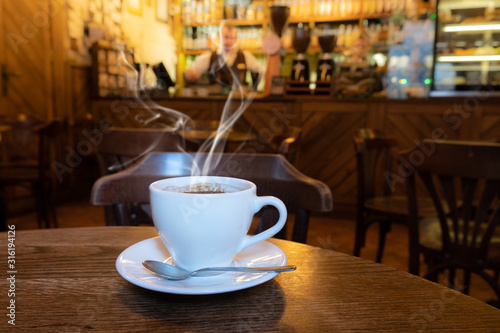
x: 18, y: 141
x: 374, y: 159
x: 466, y: 175
x: 121, y: 147
x: 288, y: 143
x: 272, y: 174
x: 49, y: 140
x: 202, y: 125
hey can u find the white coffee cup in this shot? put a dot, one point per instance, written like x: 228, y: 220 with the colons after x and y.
x: 203, y: 229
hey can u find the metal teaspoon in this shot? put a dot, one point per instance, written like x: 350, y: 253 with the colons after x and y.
x: 171, y: 272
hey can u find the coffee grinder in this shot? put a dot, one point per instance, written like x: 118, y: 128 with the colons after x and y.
x: 301, y: 38
x: 272, y: 44
x: 327, y: 41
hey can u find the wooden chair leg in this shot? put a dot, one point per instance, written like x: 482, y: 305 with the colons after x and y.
x: 53, y: 213
x: 109, y: 215
x: 3, y: 211
x: 49, y: 211
x: 432, y: 273
x: 467, y: 275
x: 451, y: 277
x: 121, y: 215
x: 40, y: 214
x: 359, y: 237
x: 269, y: 216
x: 384, y: 228
x: 301, y: 226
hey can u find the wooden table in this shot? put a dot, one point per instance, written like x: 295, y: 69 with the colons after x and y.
x: 66, y: 281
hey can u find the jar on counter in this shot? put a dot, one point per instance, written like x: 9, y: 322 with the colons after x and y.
x: 229, y: 12
x: 250, y: 13
x: 259, y: 15
x: 240, y: 12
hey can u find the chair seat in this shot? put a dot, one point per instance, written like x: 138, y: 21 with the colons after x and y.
x: 15, y: 175
x: 430, y: 236
x: 398, y: 205
x: 19, y: 164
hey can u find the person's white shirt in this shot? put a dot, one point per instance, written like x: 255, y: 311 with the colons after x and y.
x: 202, y: 63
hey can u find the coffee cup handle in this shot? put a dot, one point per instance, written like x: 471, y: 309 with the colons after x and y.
x: 258, y: 204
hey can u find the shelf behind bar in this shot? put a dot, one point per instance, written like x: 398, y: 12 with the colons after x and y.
x: 198, y: 52
x: 468, y: 58
x: 474, y: 28
x: 236, y: 22
x: 335, y: 18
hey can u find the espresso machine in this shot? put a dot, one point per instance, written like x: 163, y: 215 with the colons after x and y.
x: 327, y: 41
x: 301, y: 38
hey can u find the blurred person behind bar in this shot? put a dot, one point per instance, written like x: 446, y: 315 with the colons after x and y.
x: 227, y: 65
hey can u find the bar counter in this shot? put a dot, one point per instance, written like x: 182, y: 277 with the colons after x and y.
x: 326, y: 146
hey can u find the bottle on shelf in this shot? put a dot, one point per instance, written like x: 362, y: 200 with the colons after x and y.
x: 336, y: 8
x: 356, y: 7
x: 186, y: 12
x: 380, y: 6
x: 348, y: 37
x: 341, y: 36
x: 327, y: 8
x: 348, y: 8
x: 259, y: 15
x: 293, y: 8
x: 342, y: 9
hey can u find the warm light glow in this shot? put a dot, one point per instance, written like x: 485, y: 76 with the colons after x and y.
x: 403, y: 81
x: 472, y: 27
x: 469, y: 58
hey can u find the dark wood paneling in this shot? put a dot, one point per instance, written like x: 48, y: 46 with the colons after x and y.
x: 490, y: 124
x: 327, y: 151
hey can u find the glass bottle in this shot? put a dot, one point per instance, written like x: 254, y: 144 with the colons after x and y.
x: 348, y: 36
x: 342, y: 8
x: 380, y: 6
x: 341, y: 36
x: 348, y: 7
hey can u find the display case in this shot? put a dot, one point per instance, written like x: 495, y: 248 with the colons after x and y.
x: 467, y: 52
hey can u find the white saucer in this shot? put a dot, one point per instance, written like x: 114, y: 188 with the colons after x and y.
x: 129, y: 265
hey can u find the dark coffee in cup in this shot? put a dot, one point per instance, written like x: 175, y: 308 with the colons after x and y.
x: 203, y: 188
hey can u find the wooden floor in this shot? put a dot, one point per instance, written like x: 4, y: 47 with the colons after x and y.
x: 330, y: 233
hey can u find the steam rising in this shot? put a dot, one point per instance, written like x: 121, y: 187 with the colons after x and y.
x: 176, y: 121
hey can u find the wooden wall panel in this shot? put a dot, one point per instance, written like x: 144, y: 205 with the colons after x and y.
x: 27, y: 53
x: 410, y: 123
x: 263, y: 119
x: 327, y: 150
x: 195, y: 109
x: 490, y: 124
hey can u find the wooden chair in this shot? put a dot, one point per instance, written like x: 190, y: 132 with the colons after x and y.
x: 119, y: 149
x: 466, y: 175
x: 376, y: 202
x: 202, y: 125
x: 35, y: 174
x: 287, y: 143
x: 272, y: 174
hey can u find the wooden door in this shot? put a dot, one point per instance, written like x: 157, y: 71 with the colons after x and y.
x: 25, y: 59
